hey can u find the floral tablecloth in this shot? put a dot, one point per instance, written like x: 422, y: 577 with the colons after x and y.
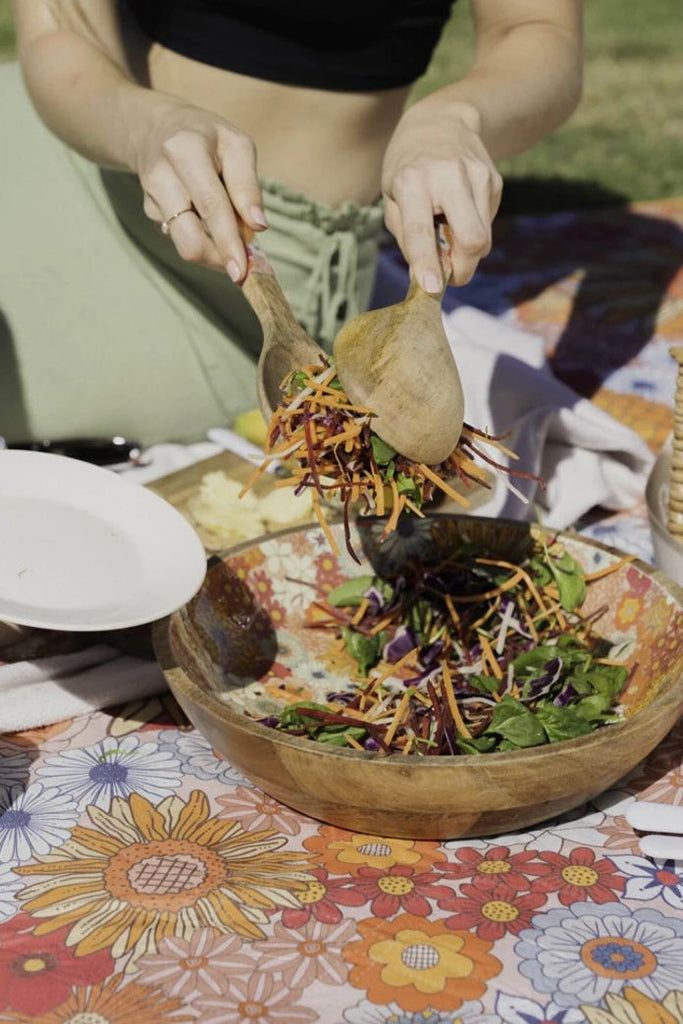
x: 144, y: 881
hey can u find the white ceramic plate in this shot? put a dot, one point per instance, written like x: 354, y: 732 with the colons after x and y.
x: 82, y: 548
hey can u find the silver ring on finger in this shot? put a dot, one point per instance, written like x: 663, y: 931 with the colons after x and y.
x: 166, y: 224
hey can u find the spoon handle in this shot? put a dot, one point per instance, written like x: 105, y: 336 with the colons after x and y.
x: 444, y: 241
x: 264, y: 293
x: 444, y: 244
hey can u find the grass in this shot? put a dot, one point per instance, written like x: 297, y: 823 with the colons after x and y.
x: 625, y: 141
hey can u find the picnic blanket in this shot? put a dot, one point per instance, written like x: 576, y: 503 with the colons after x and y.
x: 143, y: 878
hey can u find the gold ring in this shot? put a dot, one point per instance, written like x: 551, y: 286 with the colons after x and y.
x: 166, y: 224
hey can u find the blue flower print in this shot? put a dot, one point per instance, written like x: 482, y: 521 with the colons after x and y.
x: 33, y: 820
x: 197, y: 758
x: 113, y: 767
x: 580, y: 953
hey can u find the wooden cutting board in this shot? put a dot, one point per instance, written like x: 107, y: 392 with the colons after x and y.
x: 181, y: 487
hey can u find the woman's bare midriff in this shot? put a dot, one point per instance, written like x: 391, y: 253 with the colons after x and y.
x: 328, y: 145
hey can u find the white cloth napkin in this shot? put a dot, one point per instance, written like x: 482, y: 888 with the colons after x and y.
x: 47, y: 690
x: 585, y: 457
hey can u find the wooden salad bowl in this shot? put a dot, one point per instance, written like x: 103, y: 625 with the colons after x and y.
x: 241, y: 635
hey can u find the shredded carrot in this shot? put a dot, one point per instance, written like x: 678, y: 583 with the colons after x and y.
x: 458, y: 498
x: 323, y: 523
x: 490, y: 656
x: 447, y: 687
x: 327, y: 441
x: 399, y: 715
x: 607, y: 569
x: 362, y: 608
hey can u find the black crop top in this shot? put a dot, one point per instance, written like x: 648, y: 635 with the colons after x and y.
x: 350, y: 45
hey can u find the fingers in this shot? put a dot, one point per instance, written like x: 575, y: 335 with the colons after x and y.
x: 467, y: 192
x: 212, y: 175
x: 410, y: 217
x: 468, y: 212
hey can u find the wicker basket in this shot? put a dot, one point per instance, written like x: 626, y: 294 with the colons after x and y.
x: 675, y: 508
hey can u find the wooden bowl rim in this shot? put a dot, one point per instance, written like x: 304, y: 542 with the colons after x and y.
x: 177, y: 677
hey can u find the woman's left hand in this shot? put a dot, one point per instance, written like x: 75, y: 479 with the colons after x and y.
x: 436, y: 163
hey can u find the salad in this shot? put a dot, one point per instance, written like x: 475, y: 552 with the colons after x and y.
x: 329, y: 446
x: 466, y: 653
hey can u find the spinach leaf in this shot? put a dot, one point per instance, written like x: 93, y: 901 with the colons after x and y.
x: 350, y: 592
x: 516, y: 724
x: 365, y: 650
x: 562, y: 723
x: 382, y: 452
x: 480, y: 745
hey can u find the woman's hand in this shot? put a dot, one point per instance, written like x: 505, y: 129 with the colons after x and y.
x: 436, y: 163
x: 199, y: 176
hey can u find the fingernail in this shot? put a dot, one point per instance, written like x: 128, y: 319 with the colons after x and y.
x: 234, y: 270
x: 431, y: 282
x: 258, y: 216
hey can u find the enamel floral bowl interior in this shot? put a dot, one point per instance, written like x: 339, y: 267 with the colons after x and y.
x: 240, y: 642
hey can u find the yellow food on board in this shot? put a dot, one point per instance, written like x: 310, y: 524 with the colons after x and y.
x: 218, y: 509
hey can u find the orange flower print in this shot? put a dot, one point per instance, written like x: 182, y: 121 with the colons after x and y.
x: 112, y: 1002
x: 321, y: 899
x: 254, y: 809
x: 345, y: 853
x: 329, y: 573
x: 419, y: 964
x: 259, y: 999
x: 494, y: 913
x: 36, y: 972
x: 630, y: 605
x: 146, y: 873
x: 580, y: 877
x: 201, y: 964
x: 494, y: 867
x: 304, y: 955
x: 402, y: 888
x: 662, y: 777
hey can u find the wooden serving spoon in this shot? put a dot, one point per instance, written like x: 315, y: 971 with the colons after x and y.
x: 397, y: 361
x: 286, y: 345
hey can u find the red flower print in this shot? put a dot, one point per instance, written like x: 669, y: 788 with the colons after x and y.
x: 37, y: 972
x: 580, y: 877
x: 328, y: 573
x: 495, y: 867
x: 321, y: 900
x: 638, y: 582
x: 493, y: 913
x: 401, y: 888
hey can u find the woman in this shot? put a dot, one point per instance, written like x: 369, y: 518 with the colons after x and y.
x: 194, y: 116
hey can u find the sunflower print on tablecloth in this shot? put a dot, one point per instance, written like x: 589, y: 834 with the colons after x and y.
x: 145, y: 873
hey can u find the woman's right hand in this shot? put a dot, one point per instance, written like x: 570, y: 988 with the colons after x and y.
x: 191, y: 160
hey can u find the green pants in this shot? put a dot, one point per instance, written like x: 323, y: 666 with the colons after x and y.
x: 104, y: 330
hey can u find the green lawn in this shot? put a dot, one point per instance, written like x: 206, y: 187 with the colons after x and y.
x: 625, y: 142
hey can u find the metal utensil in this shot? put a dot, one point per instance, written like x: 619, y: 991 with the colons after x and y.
x: 97, y: 450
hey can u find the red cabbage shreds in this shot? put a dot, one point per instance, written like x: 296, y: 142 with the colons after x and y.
x: 430, y: 654
x: 377, y: 600
x: 341, y: 696
x: 566, y: 696
x: 401, y: 643
x: 446, y: 667
x: 429, y: 675
x: 534, y: 688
